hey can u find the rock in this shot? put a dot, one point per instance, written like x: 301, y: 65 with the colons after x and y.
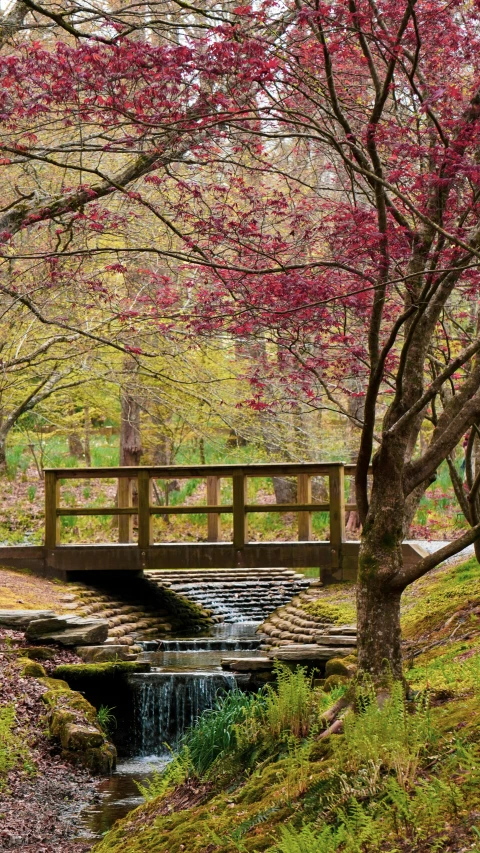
x: 247, y: 664
x: 32, y: 668
x: 334, y: 681
x: 39, y: 628
x: 69, y: 631
x: 22, y: 618
x: 299, y: 653
x: 334, y: 639
x: 73, y: 721
x: 87, y: 635
x: 81, y: 737
x: 93, y: 654
x: 335, y: 666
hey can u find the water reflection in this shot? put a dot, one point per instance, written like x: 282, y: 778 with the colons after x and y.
x: 118, y: 794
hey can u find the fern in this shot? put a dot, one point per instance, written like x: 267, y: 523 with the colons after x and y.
x: 174, y: 774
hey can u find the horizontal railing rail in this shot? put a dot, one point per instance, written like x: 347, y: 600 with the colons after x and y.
x: 240, y: 508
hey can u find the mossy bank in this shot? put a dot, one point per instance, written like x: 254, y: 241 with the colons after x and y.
x: 404, y: 776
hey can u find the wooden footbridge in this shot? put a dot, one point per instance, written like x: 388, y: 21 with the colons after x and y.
x: 336, y: 558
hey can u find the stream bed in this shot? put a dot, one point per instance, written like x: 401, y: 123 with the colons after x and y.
x: 186, y: 678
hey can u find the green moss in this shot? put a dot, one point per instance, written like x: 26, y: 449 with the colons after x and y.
x: 335, y: 614
x: 31, y: 668
x: 431, y: 601
x: 73, y: 721
x: 334, y: 681
x: 74, y: 672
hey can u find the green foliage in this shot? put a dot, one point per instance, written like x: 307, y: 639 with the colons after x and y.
x: 292, y: 705
x: 175, y: 773
x: 356, y: 831
x: 385, y: 737
x: 106, y: 719
x: 215, y: 733
x: 333, y: 613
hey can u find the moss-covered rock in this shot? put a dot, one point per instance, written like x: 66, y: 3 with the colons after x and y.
x: 75, y: 672
x: 72, y: 720
x: 337, y: 666
x: 31, y: 668
x: 334, y: 681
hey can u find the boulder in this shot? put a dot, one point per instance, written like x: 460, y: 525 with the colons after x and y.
x: 32, y: 668
x: 335, y: 666
x: 73, y: 721
x: 334, y: 681
x: 21, y: 618
x: 81, y: 736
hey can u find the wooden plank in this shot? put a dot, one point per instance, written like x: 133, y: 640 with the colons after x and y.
x: 337, y: 515
x: 304, y: 496
x: 298, y: 507
x: 240, y: 533
x: 97, y: 510
x: 213, y: 518
x: 144, y: 516
x: 186, y: 472
x: 52, y: 521
x: 183, y: 509
x: 222, y: 555
x: 125, y: 521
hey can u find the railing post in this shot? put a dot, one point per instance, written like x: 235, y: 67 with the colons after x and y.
x: 125, y: 522
x: 239, y: 516
x: 304, y: 496
x: 52, y: 521
x: 213, y: 518
x: 144, y: 516
x: 337, y: 515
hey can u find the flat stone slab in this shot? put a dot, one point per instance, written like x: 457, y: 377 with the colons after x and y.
x: 68, y: 630
x: 309, y: 652
x: 248, y: 664
x: 38, y: 628
x: 338, y: 640
x: 22, y: 618
x: 101, y: 654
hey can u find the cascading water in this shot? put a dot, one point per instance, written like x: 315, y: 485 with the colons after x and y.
x: 168, y: 703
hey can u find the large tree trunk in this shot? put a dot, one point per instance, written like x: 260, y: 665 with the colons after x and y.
x: 379, y: 564
x: 378, y: 625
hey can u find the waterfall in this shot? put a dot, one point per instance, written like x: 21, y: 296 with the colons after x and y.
x: 167, y: 703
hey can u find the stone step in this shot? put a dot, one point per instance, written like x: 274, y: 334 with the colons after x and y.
x: 309, y: 652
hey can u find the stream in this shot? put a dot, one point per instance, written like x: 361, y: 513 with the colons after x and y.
x: 185, y: 680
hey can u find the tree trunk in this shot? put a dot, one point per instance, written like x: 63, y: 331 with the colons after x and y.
x: 3, y: 453
x: 130, y: 437
x: 379, y: 635
x: 380, y: 561
x: 88, y: 455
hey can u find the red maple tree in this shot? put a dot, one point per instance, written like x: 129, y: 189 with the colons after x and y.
x: 305, y: 172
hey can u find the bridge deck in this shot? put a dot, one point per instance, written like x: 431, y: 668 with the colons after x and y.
x: 336, y: 558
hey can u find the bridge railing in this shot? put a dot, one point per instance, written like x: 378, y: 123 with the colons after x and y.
x: 146, y: 509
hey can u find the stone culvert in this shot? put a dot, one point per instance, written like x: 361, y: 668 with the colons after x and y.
x: 136, y: 610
